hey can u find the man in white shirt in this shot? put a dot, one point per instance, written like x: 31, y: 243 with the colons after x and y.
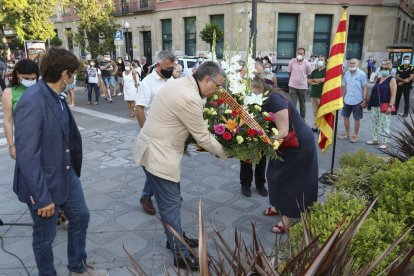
x: 147, y: 90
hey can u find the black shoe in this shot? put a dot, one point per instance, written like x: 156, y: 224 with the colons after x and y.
x: 405, y: 114
x: 189, y: 262
x: 262, y: 191
x: 246, y: 191
x: 315, y: 129
x: 193, y: 243
x: 393, y: 113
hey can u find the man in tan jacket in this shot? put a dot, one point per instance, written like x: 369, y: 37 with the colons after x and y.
x: 176, y: 112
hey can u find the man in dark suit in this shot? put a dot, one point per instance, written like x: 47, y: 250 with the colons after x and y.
x: 48, y: 163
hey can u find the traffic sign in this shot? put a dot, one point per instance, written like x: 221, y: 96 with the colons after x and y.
x: 119, y: 37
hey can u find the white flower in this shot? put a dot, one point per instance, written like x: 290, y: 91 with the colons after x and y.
x: 214, y: 113
x: 239, y: 139
x: 227, y: 111
x: 253, y: 99
x: 257, y: 107
x: 275, y: 131
x: 276, y: 145
x: 265, y: 114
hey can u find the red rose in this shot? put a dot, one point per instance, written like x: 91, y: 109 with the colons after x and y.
x: 220, y: 101
x: 234, y: 113
x: 268, y: 118
x: 251, y: 132
x: 226, y: 135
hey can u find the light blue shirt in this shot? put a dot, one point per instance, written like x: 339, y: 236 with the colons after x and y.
x: 355, y: 84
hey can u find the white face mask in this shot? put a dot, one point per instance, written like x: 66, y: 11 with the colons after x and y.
x: 28, y: 83
x: 299, y: 57
x: 321, y: 63
x: 267, y: 70
x: 176, y: 62
x: 264, y: 62
x: 92, y: 63
x: 352, y: 69
x: 127, y: 68
x: 107, y: 58
x: 406, y: 61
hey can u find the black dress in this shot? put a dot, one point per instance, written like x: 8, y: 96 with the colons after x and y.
x: 293, y: 181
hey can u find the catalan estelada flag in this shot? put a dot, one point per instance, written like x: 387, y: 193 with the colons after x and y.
x: 331, y: 98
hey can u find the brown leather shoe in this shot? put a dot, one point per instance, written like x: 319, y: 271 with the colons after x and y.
x: 147, y: 205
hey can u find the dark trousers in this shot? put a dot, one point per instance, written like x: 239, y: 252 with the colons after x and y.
x: 96, y: 89
x: 246, y: 173
x: 2, y: 84
x: 403, y: 90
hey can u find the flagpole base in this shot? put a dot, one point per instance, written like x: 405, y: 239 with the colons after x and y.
x: 327, y: 179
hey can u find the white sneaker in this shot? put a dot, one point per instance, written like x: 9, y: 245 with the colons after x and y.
x: 90, y: 271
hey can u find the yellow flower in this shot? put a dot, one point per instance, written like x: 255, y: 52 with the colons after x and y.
x: 206, y: 110
x: 231, y: 125
x: 265, y: 114
x: 258, y: 108
x: 214, y: 112
x: 239, y: 139
x: 276, y: 145
x: 227, y: 111
x: 275, y: 131
x: 215, y: 97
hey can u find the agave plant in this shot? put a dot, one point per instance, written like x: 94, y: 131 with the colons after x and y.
x: 330, y: 258
x: 404, y: 141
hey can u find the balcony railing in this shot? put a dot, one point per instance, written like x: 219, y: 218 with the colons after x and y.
x: 124, y: 7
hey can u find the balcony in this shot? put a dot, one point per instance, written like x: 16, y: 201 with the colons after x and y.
x: 123, y: 7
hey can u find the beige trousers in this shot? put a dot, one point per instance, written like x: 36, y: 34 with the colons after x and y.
x: 315, y: 106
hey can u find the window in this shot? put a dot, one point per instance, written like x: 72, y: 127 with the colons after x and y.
x: 402, y: 33
x: 397, y: 29
x: 322, y: 35
x: 69, y: 35
x: 286, y: 35
x: 219, y: 20
x: 125, y: 6
x: 355, y: 37
x: 190, y: 36
x: 166, y: 27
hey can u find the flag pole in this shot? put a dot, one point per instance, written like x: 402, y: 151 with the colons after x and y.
x: 334, y: 141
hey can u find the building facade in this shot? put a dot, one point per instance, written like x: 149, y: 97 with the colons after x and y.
x: 282, y: 26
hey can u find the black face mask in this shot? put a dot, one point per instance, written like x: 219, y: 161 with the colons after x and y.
x: 167, y: 73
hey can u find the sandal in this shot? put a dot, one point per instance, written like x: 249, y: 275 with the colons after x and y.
x: 278, y: 229
x: 372, y: 142
x: 384, y: 146
x: 354, y: 138
x: 270, y: 212
x: 343, y: 137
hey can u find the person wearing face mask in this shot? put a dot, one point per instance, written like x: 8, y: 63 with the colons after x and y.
x: 131, y: 83
x: 120, y: 70
x: 269, y: 76
x: 94, y: 76
x: 178, y: 69
x: 48, y: 163
x: 25, y: 74
x: 384, y: 91
x: 316, y: 80
x: 299, y: 69
x: 137, y: 70
x: 176, y: 112
x: 108, y: 67
x: 354, y: 85
x: 405, y: 76
x: 147, y: 91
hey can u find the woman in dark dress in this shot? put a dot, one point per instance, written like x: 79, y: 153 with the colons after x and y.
x: 292, y: 181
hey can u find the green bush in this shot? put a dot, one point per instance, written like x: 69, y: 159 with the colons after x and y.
x: 395, y: 188
x: 356, y: 172
x: 379, y: 231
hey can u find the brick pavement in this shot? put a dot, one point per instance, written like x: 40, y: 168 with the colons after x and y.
x: 112, y: 185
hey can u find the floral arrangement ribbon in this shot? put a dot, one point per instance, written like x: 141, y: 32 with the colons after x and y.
x: 234, y: 105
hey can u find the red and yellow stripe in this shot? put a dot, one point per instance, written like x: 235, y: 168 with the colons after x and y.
x: 331, y: 99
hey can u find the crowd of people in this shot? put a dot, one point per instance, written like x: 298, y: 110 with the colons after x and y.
x: 168, y: 108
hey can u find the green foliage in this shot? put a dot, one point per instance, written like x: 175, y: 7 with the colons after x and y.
x: 56, y: 41
x: 81, y: 73
x: 379, y: 231
x: 16, y: 43
x: 395, y: 187
x: 207, y: 34
x: 356, y: 171
x: 29, y: 19
x: 96, y: 25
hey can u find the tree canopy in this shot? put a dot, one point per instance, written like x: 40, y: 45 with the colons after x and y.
x: 207, y: 34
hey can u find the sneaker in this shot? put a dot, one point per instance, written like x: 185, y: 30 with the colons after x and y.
x: 95, y: 103
x: 88, y: 103
x: 120, y: 94
x: 246, y: 191
x: 147, y: 205
x: 193, y: 243
x: 90, y: 271
x: 262, y: 191
x: 405, y: 114
x: 189, y: 262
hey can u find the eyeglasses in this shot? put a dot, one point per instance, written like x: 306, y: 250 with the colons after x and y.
x: 218, y: 85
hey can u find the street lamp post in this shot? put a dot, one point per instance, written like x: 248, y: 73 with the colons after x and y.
x: 126, y: 26
x: 253, y: 27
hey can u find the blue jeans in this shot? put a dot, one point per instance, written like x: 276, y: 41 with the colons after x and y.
x: 147, y: 192
x: 95, y: 87
x: 167, y: 195
x: 44, y: 231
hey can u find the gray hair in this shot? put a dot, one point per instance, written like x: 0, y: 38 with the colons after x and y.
x: 165, y: 55
x: 355, y: 60
x: 208, y: 68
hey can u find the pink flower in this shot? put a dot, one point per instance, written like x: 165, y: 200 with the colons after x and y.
x: 219, y: 129
x: 213, y: 103
x: 259, y: 132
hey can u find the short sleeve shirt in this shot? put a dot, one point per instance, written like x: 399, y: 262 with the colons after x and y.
x: 355, y: 84
x: 148, y: 89
x: 299, y: 73
x: 105, y: 73
x: 316, y: 89
x: 93, y: 74
x: 404, y: 71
